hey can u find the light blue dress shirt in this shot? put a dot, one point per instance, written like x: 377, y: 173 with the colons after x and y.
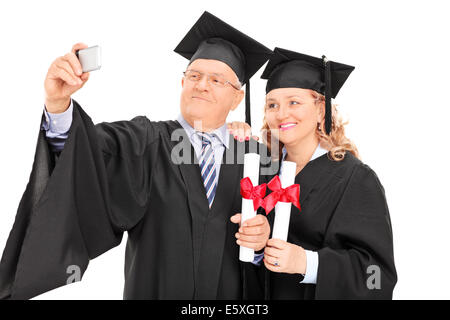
x: 56, y: 126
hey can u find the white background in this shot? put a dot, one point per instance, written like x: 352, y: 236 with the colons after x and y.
x: 395, y: 100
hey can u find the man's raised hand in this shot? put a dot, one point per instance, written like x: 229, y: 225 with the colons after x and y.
x: 64, y: 77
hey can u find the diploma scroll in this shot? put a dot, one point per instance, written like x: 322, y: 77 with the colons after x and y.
x: 251, y: 170
x: 283, y: 209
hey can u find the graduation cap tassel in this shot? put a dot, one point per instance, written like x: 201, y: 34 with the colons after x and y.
x: 327, y: 95
x: 247, y: 103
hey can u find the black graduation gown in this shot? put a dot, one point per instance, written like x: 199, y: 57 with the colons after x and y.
x: 117, y: 177
x: 345, y: 218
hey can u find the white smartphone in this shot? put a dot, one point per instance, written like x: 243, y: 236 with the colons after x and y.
x: 90, y: 58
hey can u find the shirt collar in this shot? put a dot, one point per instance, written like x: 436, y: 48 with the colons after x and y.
x: 220, y: 135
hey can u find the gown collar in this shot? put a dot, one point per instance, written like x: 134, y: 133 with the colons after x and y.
x: 317, y: 153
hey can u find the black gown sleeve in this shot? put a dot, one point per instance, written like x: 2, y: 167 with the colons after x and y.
x: 77, y: 206
x: 254, y: 276
x: 358, y: 245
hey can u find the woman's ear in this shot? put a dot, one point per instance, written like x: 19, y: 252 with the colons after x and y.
x: 237, y: 99
x: 320, y: 111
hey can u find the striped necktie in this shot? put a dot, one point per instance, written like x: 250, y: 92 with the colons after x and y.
x: 207, y: 167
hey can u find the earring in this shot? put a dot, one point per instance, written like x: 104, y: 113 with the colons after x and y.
x: 318, y: 126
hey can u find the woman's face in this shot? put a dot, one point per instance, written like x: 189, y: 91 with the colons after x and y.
x: 292, y: 114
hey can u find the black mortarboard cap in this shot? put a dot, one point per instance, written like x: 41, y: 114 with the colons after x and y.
x: 289, y: 69
x: 211, y: 38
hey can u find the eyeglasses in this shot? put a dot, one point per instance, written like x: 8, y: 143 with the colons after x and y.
x: 213, y: 79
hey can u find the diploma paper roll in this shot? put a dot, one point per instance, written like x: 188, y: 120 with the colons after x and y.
x: 283, y: 209
x: 251, y: 170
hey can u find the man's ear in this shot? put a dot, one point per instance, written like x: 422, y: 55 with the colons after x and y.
x: 237, y: 99
x: 182, y: 82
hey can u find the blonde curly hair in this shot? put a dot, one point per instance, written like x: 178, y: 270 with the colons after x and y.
x: 336, y: 142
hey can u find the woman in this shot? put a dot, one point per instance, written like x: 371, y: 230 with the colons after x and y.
x: 339, y: 244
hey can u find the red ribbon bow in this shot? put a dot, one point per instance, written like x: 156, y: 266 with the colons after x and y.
x: 248, y: 191
x: 289, y: 194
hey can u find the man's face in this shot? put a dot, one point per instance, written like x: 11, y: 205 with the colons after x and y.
x: 205, y: 103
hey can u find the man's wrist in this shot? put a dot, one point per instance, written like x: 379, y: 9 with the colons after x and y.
x: 57, y: 106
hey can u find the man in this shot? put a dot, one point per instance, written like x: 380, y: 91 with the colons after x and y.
x: 127, y: 176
